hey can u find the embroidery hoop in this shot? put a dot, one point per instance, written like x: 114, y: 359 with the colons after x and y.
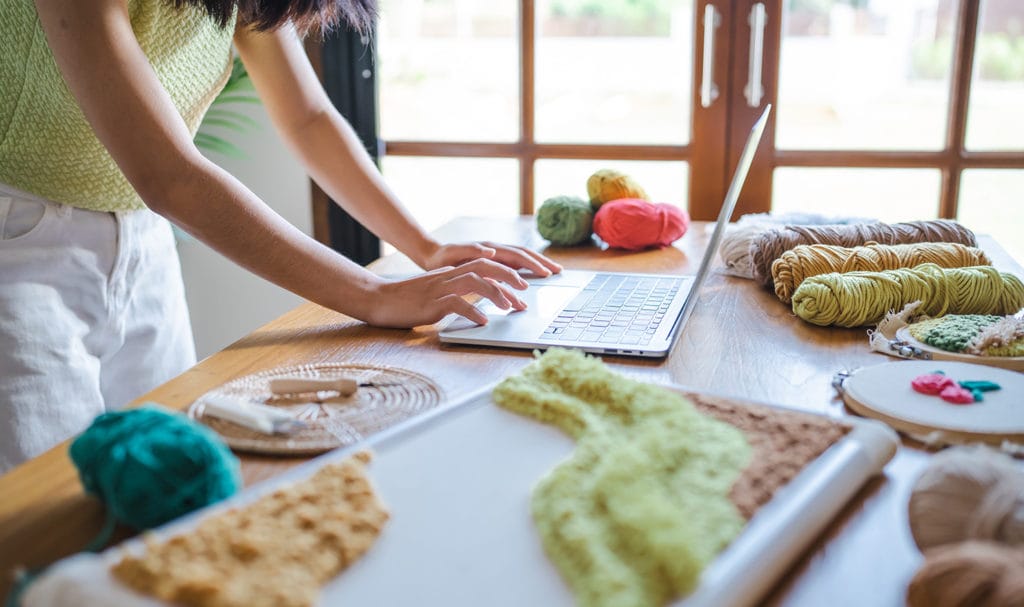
x: 883, y: 392
x: 892, y: 337
x: 1013, y: 363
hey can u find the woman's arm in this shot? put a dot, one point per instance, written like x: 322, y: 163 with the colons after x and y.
x: 133, y: 116
x: 335, y: 157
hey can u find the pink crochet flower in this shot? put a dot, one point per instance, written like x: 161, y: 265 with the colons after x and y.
x: 932, y: 383
x: 956, y: 395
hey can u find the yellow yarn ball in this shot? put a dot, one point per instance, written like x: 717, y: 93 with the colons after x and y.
x: 608, y: 184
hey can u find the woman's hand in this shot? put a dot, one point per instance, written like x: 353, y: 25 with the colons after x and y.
x: 517, y: 258
x: 429, y: 297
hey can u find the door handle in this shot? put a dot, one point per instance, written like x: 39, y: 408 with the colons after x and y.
x: 754, y: 91
x: 708, y: 88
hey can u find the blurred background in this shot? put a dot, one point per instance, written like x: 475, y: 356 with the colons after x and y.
x: 480, y: 113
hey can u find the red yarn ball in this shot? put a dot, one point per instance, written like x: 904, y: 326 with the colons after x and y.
x: 634, y: 224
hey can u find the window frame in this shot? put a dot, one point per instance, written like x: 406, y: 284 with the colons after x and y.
x: 717, y: 132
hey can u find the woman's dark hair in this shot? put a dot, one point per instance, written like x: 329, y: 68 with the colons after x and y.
x: 307, y: 15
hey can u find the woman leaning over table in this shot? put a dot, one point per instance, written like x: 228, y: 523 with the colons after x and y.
x: 99, y: 102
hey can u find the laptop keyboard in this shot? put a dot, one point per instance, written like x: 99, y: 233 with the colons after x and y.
x: 615, y: 309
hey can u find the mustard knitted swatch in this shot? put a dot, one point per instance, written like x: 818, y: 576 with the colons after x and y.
x: 47, y: 147
x: 803, y: 261
x: 863, y: 298
x: 641, y: 506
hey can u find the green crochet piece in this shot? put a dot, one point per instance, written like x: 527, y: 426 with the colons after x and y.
x: 641, y: 506
x: 957, y: 332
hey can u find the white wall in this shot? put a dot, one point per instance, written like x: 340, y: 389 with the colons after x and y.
x: 227, y: 302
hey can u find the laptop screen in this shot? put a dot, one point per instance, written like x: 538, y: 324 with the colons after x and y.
x: 728, y: 206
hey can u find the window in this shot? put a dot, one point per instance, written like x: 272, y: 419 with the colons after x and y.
x: 897, y: 110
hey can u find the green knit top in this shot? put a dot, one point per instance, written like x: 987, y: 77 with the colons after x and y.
x: 46, y: 146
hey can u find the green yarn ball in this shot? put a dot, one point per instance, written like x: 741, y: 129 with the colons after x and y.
x: 150, y: 466
x: 565, y: 220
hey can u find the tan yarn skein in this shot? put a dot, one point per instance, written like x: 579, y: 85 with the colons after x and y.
x: 970, y: 574
x: 968, y: 493
x: 803, y: 261
x: 770, y: 245
x: 863, y: 298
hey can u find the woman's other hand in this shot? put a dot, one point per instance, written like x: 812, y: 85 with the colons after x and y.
x: 429, y: 297
x: 515, y: 257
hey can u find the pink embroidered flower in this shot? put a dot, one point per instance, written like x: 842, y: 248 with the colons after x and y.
x: 956, y: 395
x: 931, y: 383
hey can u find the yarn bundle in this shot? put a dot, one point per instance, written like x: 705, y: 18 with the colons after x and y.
x: 565, y: 220
x: 633, y: 224
x: 735, y: 248
x: 966, y: 515
x: 862, y: 298
x: 804, y: 261
x: 619, y: 212
x: 150, y: 466
x: 770, y: 245
x: 607, y: 185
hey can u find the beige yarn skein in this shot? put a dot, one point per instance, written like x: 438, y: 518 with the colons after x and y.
x: 968, y: 493
x: 971, y: 574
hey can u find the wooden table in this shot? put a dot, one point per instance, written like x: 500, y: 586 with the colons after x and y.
x: 740, y: 342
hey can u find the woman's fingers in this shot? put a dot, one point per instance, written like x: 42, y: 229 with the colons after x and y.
x: 453, y: 304
x: 486, y: 268
x: 517, y: 303
x: 427, y: 298
x: 471, y: 282
x: 521, y: 257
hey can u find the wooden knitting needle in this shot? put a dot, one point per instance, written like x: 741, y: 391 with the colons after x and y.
x: 344, y: 386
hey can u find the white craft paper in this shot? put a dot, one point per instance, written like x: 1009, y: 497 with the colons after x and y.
x: 458, y: 482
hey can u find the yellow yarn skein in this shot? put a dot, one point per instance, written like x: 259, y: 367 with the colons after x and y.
x: 804, y: 261
x: 608, y: 184
x: 863, y: 298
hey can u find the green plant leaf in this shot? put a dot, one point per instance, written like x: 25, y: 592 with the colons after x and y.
x: 238, y: 89
x: 224, y: 123
x: 237, y: 98
x: 241, y: 119
x: 205, y: 141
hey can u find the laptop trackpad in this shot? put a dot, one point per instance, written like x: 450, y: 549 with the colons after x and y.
x: 543, y: 305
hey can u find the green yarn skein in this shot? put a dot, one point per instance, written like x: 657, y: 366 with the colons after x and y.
x: 565, y: 220
x: 150, y: 466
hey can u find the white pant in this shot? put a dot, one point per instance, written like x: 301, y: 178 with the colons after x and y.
x: 92, y: 316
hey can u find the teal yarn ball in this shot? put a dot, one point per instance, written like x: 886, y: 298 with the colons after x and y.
x: 565, y: 220
x: 150, y: 466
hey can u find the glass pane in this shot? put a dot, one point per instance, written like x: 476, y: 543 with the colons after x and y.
x: 865, y: 75
x: 890, y: 195
x: 437, y: 190
x: 995, y: 115
x: 663, y: 181
x: 990, y: 204
x: 614, y: 72
x: 449, y: 70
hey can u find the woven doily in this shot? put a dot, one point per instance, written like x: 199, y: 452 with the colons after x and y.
x: 391, y: 396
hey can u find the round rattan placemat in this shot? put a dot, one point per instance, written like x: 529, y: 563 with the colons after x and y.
x: 386, y: 396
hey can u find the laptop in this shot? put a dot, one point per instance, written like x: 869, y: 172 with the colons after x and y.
x: 618, y: 313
